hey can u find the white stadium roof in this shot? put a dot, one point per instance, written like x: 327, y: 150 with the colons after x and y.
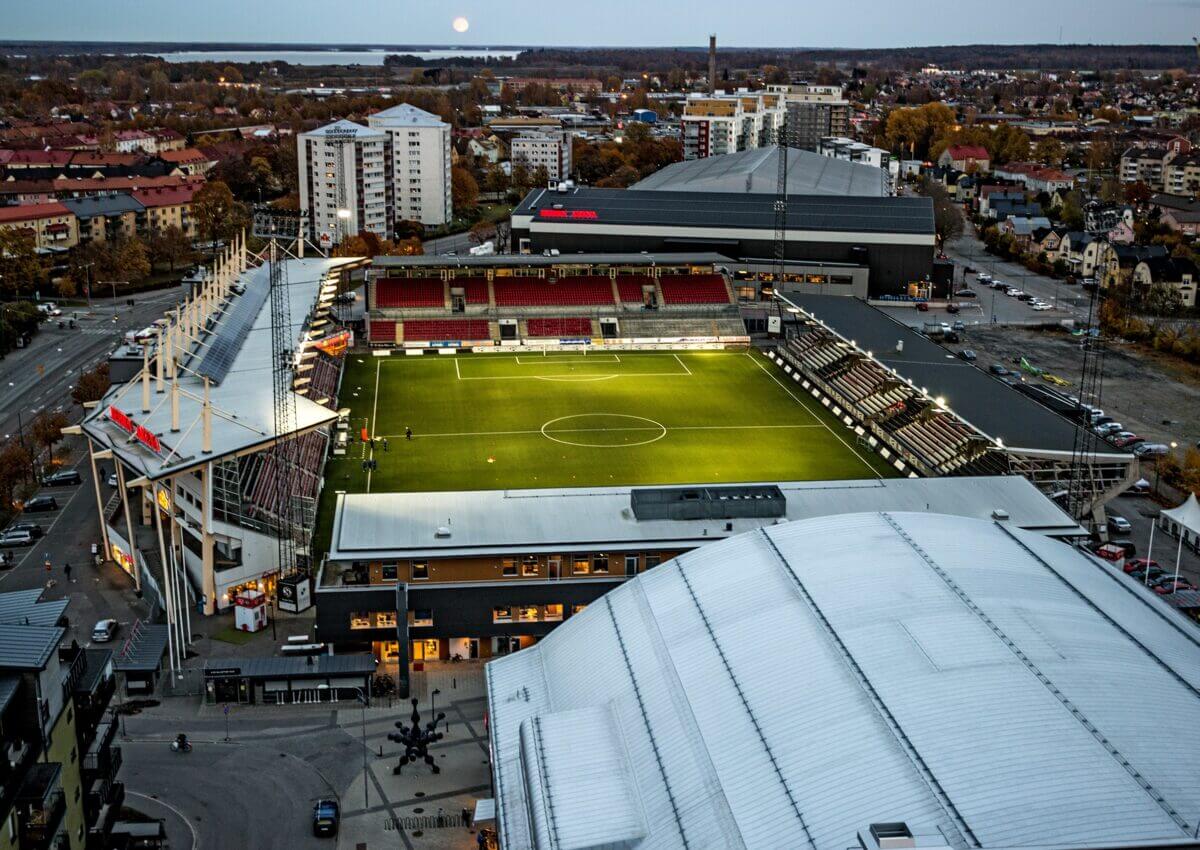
x: 756, y: 171
x: 370, y: 526
x: 242, y: 401
x: 787, y: 687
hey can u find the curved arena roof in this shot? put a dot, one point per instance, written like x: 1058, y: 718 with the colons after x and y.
x: 786, y: 687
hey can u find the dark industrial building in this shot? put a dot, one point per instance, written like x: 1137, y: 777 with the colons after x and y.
x: 892, y: 238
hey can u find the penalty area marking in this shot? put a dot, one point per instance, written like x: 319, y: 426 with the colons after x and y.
x: 567, y: 358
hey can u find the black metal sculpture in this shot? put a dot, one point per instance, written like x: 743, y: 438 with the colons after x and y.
x: 416, y: 739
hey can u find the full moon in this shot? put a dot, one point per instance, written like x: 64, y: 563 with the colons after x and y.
x: 461, y: 24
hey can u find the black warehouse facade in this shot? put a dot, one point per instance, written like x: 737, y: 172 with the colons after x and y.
x: 891, y: 237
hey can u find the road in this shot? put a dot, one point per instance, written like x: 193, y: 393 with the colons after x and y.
x: 455, y: 243
x: 289, y: 758
x: 41, y: 376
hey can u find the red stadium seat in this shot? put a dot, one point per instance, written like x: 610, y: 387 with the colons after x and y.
x: 409, y: 292
x: 694, y: 289
x: 575, y: 327
x: 565, y: 292
x: 427, y: 330
x: 382, y: 330
x: 630, y: 288
x: 475, y: 289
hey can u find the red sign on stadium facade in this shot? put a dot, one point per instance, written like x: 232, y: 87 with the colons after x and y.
x: 121, y: 418
x: 140, y: 432
x: 148, y: 439
x: 587, y: 215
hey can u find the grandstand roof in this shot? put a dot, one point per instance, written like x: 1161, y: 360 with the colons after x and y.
x: 789, y: 686
x: 729, y: 211
x: 755, y: 171
x: 243, y: 408
x: 404, y: 524
x: 508, y: 260
x: 984, y: 401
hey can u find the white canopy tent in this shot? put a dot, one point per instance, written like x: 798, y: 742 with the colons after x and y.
x: 1182, y: 521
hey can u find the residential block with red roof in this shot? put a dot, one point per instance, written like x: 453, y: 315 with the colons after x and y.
x: 966, y: 158
x: 53, y: 225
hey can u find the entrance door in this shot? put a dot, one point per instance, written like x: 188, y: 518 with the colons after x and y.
x: 458, y: 303
x: 473, y: 648
x: 553, y: 565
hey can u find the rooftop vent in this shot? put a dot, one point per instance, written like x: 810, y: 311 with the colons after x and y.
x: 999, y: 514
x: 443, y: 532
x: 888, y: 836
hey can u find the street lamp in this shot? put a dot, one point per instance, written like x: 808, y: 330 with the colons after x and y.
x: 343, y: 215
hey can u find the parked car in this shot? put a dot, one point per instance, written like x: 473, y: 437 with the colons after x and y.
x: 1109, y: 552
x: 1013, y: 292
x: 952, y: 307
x: 1139, y: 564
x: 1170, y: 584
x: 1025, y: 296
x: 32, y: 527
x: 12, y: 539
x: 1119, y: 525
x: 325, y: 818
x: 968, y: 355
x: 41, y: 504
x: 1127, y: 545
x: 1109, y: 428
x: 1156, y: 573
x: 62, y: 478
x: 997, y: 369
x: 960, y: 325
x: 1127, y: 441
x: 112, y: 480
x: 965, y: 293
x: 922, y: 306
x: 104, y: 631
x: 1151, y: 450
x: 1138, y: 488
x: 1042, y: 307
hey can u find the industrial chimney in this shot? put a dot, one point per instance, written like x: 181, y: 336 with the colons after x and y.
x: 712, y: 64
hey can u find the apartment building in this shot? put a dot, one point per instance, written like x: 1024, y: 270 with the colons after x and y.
x: 105, y: 218
x: 813, y: 112
x: 52, y: 225
x: 544, y: 149
x: 164, y: 207
x: 417, y: 166
x: 848, y: 150
x: 721, y: 124
x: 58, y: 769
x: 344, y: 184
x: 1182, y: 175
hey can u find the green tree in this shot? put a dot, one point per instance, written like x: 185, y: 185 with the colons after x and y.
x: 169, y: 247
x: 92, y: 385
x: 216, y: 213
x: 132, y: 259
x: 20, y: 266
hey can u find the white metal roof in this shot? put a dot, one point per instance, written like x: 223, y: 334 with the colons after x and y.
x: 756, y: 171
x: 389, y: 525
x: 788, y: 686
x: 344, y: 127
x: 407, y: 115
x: 243, y: 407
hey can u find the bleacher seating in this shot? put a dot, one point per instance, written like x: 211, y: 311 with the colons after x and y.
x: 567, y: 292
x: 694, y: 289
x: 426, y: 330
x: 323, y: 380
x: 629, y: 287
x: 383, y: 331
x: 653, y: 324
x: 262, y: 492
x: 409, y: 292
x: 475, y: 289
x: 576, y: 327
x: 939, y: 439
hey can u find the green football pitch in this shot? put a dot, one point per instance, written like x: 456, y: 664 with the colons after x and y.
x: 558, y: 419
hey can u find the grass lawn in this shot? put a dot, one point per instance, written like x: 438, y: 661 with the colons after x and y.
x: 560, y: 420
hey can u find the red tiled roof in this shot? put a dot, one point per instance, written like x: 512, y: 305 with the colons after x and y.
x: 164, y: 196
x: 32, y: 212
x: 84, y: 158
x: 119, y: 184
x: 40, y: 157
x: 184, y: 156
x: 968, y: 152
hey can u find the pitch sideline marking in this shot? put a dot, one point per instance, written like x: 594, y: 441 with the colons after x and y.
x: 681, y: 363
x: 796, y: 399
x: 374, y: 411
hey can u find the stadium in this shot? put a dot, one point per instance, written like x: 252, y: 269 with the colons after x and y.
x: 483, y: 446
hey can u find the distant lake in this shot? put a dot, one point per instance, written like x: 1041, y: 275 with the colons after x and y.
x: 332, y: 57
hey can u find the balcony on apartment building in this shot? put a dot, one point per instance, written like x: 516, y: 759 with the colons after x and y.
x: 41, y: 809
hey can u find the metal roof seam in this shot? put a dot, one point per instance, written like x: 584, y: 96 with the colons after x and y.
x: 637, y: 692
x: 906, y: 744
x: 1037, y: 672
x: 1125, y: 632
x: 682, y: 573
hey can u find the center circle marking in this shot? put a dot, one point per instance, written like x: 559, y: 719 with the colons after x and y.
x: 580, y: 430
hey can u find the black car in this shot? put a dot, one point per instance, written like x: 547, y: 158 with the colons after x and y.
x: 965, y: 293
x: 968, y: 355
x: 63, y: 478
x: 325, y: 818
x: 1025, y: 296
x: 997, y: 369
x: 41, y: 504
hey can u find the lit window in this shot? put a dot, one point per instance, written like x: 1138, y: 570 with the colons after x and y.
x: 502, y: 615
x: 360, y: 620
x: 580, y: 565
x: 419, y: 570
x: 554, y: 612
x: 575, y: 609
x: 508, y: 566
x: 527, y: 614
x: 386, y: 619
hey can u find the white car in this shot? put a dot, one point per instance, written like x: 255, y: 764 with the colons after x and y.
x: 1014, y: 292
x: 104, y: 631
x: 1041, y: 306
